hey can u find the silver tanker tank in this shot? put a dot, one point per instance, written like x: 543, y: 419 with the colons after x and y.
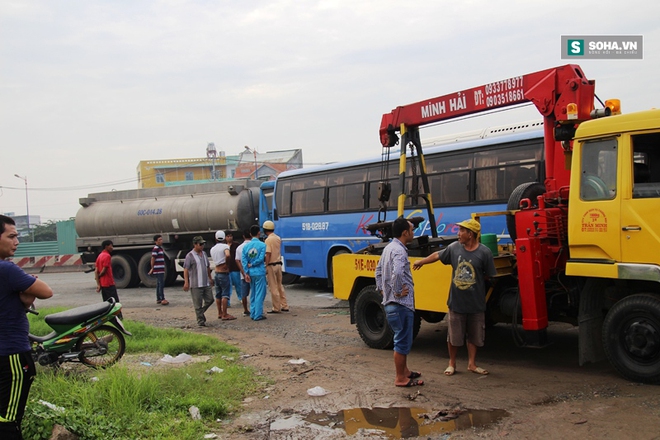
x: 180, y: 209
x: 131, y: 219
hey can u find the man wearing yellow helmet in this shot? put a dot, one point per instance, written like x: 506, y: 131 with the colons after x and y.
x: 274, y: 268
x: 472, y: 263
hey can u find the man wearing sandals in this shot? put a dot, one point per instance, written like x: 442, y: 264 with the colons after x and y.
x: 472, y: 264
x: 394, y: 281
x: 219, y: 254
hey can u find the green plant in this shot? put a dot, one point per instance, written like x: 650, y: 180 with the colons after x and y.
x: 135, y: 401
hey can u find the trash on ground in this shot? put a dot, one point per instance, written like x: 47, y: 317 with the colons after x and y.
x: 227, y: 358
x: 179, y: 359
x: 211, y: 435
x: 215, y: 370
x: 317, y: 391
x: 194, y: 413
x: 146, y: 364
x: 298, y: 361
x: 52, y: 406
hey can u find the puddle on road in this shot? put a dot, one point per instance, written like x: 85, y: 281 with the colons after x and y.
x: 407, y: 422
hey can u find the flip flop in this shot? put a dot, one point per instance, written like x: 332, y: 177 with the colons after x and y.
x: 164, y: 302
x: 414, y: 375
x: 229, y: 318
x: 413, y: 383
x: 479, y: 370
x: 449, y: 371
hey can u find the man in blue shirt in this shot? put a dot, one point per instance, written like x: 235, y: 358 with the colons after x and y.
x: 394, y: 281
x: 17, y: 292
x: 254, y: 265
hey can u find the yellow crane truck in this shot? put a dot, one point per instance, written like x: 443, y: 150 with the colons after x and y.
x: 585, y: 243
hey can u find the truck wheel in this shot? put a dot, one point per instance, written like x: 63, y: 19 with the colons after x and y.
x: 417, y: 324
x: 529, y: 190
x: 170, y: 273
x: 124, y: 271
x: 631, y: 337
x: 144, y: 266
x: 371, y: 320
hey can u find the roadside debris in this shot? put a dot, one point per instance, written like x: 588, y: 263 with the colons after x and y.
x: 317, y: 391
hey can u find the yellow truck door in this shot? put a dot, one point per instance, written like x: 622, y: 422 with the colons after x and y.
x: 595, y: 207
x: 640, y: 205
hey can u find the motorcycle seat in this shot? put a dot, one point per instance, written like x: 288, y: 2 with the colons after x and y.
x: 79, y: 314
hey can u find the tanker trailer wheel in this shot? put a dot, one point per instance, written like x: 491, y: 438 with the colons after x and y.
x: 170, y: 272
x: 371, y: 320
x: 144, y: 266
x: 631, y: 337
x: 529, y: 190
x: 124, y: 271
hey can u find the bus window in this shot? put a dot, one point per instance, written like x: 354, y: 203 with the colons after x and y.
x: 373, y: 194
x: 346, y: 197
x: 312, y: 181
x: 307, y: 201
x: 439, y: 164
x: 283, y: 198
x: 516, y: 175
x: 450, y: 187
x: 347, y: 176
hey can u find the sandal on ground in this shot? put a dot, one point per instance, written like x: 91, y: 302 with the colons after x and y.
x: 449, y: 371
x: 246, y: 313
x: 413, y: 383
x: 414, y: 375
x: 164, y: 302
x: 228, y: 318
x: 479, y: 370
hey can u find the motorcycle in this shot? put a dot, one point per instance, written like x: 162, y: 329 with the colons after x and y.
x: 82, y: 334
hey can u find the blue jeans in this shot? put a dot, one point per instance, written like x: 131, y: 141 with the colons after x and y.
x: 245, y: 289
x: 160, y: 286
x: 235, y: 284
x: 222, y: 285
x: 401, y: 320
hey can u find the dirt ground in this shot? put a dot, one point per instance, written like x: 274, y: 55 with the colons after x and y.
x: 539, y: 393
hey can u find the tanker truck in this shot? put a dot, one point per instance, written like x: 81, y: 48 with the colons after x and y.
x: 131, y: 218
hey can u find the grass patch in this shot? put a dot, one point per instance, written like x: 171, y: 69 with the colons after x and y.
x: 138, y: 401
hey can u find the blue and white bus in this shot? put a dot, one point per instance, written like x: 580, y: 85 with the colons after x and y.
x: 322, y: 211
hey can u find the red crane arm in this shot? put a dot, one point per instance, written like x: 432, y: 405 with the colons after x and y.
x: 549, y: 90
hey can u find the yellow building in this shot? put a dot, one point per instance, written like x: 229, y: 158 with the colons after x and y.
x: 168, y: 172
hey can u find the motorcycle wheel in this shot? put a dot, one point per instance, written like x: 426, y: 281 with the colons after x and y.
x: 102, y: 347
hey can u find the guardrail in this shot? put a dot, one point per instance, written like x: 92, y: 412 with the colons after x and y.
x: 51, y: 263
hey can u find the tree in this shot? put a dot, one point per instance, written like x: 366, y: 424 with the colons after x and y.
x: 45, y: 232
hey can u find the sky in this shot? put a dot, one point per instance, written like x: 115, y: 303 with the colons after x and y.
x: 89, y: 88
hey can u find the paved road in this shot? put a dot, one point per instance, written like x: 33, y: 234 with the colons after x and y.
x: 78, y: 288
